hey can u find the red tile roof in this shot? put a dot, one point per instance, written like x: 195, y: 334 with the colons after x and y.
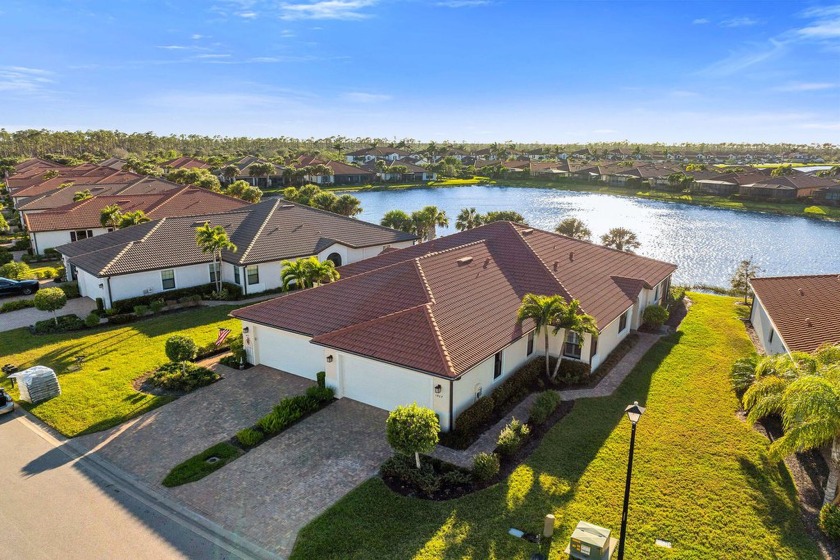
x: 804, y: 309
x: 186, y: 162
x: 457, y: 296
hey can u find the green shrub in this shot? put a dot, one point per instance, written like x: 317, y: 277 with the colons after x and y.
x: 814, y: 211
x: 180, y: 348
x: 545, y: 403
x: 92, y: 320
x: 287, y: 412
x: 120, y: 318
x: 321, y: 376
x: 22, y: 244
x: 100, y: 304
x: 237, y: 348
x: 830, y: 521
x: 182, y: 295
x: 70, y: 289
x: 742, y: 373
x: 485, y: 466
x: 518, y: 385
x: 456, y: 477
x: 182, y: 377
x: 66, y: 323
x: 403, y: 468
x: 572, y: 371
x: 5, y: 256
x: 412, y: 429
x: 475, y: 416
x: 654, y: 316
x: 249, y: 437
x: 320, y: 394
x: 16, y: 271
x: 196, y: 468
x: 16, y: 305
x: 512, y: 437
x: 52, y: 254
x: 156, y: 306
x: 141, y: 310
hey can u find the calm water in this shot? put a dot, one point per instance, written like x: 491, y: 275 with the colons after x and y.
x: 706, y: 243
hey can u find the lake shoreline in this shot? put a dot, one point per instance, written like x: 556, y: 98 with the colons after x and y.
x: 779, y: 208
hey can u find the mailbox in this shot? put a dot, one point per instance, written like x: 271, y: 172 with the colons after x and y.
x: 590, y: 542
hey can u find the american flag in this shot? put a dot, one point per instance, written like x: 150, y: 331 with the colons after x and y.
x: 223, y: 333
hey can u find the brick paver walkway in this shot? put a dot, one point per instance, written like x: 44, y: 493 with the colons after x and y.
x: 606, y: 387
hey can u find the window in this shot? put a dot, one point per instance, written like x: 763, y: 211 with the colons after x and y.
x: 497, y: 365
x: 572, y: 347
x: 335, y: 258
x: 530, y: 343
x: 770, y: 338
x: 214, y: 271
x: 167, y: 279
x: 80, y: 234
x: 594, y: 349
x: 236, y: 277
x: 622, y: 323
x: 656, y: 295
x: 253, y: 274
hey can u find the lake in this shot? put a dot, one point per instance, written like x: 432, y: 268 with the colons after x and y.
x: 706, y: 243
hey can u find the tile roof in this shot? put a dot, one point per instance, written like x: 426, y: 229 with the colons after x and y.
x: 804, y: 309
x: 457, y: 295
x: 186, y: 162
x: 268, y: 231
x: 183, y: 201
x: 62, y: 197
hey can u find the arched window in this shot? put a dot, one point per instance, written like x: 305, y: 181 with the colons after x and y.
x: 335, y: 258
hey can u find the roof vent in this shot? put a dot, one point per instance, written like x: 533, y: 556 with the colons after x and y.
x: 556, y: 265
x: 809, y: 322
x: 286, y: 206
x: 527, y: 231
x: 464, y: 260
x: 801, y: 292
x: 571, y: 256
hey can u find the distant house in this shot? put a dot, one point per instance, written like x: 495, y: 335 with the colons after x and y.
x: 114, y: 163
x: 413, y: 173
x: 273, y: 180
x: 796, y: 313
x: 788, y: 187
x: 549, y: 168
x: 340, y: 173
x: 828, y: 195
x: 161, y: 255
x: 436, y: 323
x: 24, y: 187
x: 81, y: 220
x: 60, y: 198
x: 372, y: 154
x: 185, y: 162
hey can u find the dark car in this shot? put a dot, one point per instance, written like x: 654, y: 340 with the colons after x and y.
x: 14, y: 287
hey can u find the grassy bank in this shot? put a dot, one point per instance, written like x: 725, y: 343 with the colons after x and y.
x: 100, y: 394
x: 701, y: 480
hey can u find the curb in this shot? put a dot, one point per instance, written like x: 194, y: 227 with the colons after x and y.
x: 140, y: 491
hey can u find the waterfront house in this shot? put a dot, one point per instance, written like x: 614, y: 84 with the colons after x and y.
x: 796, y: 313
x: 436, y: 324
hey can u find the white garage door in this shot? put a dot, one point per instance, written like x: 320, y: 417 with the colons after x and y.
x: 382, y: 385
x: 288, y: 352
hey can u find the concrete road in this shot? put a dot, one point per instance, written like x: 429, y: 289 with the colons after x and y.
x: 54, y: 506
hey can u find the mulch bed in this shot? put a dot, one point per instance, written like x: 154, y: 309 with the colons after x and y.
x: 809, y: 472
x: 509, y: 463
x: 142, y: 384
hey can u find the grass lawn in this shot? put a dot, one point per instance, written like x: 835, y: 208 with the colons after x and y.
x: 100, y: 395
x: 701, y: 476
x: 196, y: 468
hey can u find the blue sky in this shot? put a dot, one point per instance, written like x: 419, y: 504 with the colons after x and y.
x: 459, y: 70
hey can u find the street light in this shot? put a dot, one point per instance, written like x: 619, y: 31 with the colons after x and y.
x: 634, y: 412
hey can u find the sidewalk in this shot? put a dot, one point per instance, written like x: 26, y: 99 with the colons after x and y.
x: 486, y: 443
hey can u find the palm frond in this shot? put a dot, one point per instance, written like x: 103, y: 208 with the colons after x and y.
x: 764, y: 398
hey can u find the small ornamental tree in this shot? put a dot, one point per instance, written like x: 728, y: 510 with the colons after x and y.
x: 745, y: 272
x: 412, y: 429
x: 181, y: 349
x: 50, y: 299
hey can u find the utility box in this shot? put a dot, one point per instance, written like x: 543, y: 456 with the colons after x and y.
x: 590, y: 542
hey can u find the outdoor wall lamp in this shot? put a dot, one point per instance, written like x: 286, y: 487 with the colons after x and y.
x: 329, y: 359
x: 438, y: 389
x: 101, y: 286
x: 246, y: 330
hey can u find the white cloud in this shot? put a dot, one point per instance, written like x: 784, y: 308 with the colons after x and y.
x: 174, y: 47
x: 23, y: 79
x: 247, y: 15
x: 462, y: 3
x: 700, y: 21
x: 739, y: 22
x: 197, y: 36
x: 363, y: 97
x: 741, y: 60
x: 212, y: 56
x: 806, y: 86
x: 327, y: 9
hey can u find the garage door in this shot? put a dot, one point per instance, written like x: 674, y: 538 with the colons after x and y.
x: 382, y: 385
x: 288, y: 352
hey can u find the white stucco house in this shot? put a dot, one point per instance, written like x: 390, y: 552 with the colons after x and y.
x: 796, y: 313
x: 161, y: 255
x: 435, y: 323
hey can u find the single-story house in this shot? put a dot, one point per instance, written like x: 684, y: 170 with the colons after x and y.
x: 23, y: 189
x: 81, y: 220
x: 436, y: 324
x: 380, y: 152
x: 244, y: 164
x: 828, y: 195
x: 786, y: 187
x: 185, y: 162
x: 162, y: 255
x: 796, y: 313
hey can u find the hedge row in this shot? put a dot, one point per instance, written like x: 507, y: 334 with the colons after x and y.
x: 127, y: 305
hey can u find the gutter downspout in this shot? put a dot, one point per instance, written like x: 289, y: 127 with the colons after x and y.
x: 451, y: 398
x: 108, y: 283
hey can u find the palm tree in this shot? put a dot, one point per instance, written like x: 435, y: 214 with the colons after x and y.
x: 322, y: 272
x: 572, y: 318
x: 294, y: 274
x: 621, y: 239
x: 110, y: 216
x: 261, y: 170
x: 82, y: 195
x: 429, y: 218
x: 468, y: 218
x: 543, y: 310
x: 397, y: 219
x: 574, y: 228
x: 347, y: 205
x: 214, y: 239
x: 132, y: 219
x: 229, y: 172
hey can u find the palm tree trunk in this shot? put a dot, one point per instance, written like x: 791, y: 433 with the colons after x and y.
x: 831, y: 483
x: 559, y: 358
x: 547, y: 357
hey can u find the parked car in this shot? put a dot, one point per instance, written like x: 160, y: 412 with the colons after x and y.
x: 10, y: 287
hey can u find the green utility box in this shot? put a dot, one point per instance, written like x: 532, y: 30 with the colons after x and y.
x: 590, y: 542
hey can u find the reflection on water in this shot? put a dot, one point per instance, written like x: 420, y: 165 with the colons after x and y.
x: 706, y: 243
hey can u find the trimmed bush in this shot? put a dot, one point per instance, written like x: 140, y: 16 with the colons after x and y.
x: 545, y: 403
x: 65, y: 323
x: 287, y: 412
x: 412, y: 429
x: 830, y: 521
x: 70, y: 289
x: 512, y: 437
x: 485, y: 466
x: 16, y: 271
x: 182, y: 376
x: 321, y: 376
x: 157, y: 306
x: 475, y: 416
x: 5, y: 256
x: 196, y: 468
x: 403, y: 468
x: 141, y: 310
x: 16, y: 305
x: 180, y: 348
x: 100, y: 305
x: 249, y: 437
x: 121, y: 318
x: 22, y: 244
x: 50, y: 299
x: 518, y: 385
x: 321, y: 394
x: 572, y: 371
x: 654, y: 316
x: 92, y: 320
x: 127, y: 305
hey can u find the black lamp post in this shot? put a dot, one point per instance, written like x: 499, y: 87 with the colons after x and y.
x: 634, y: 412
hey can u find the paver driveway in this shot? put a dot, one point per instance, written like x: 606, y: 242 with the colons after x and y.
x: 271, y: 492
